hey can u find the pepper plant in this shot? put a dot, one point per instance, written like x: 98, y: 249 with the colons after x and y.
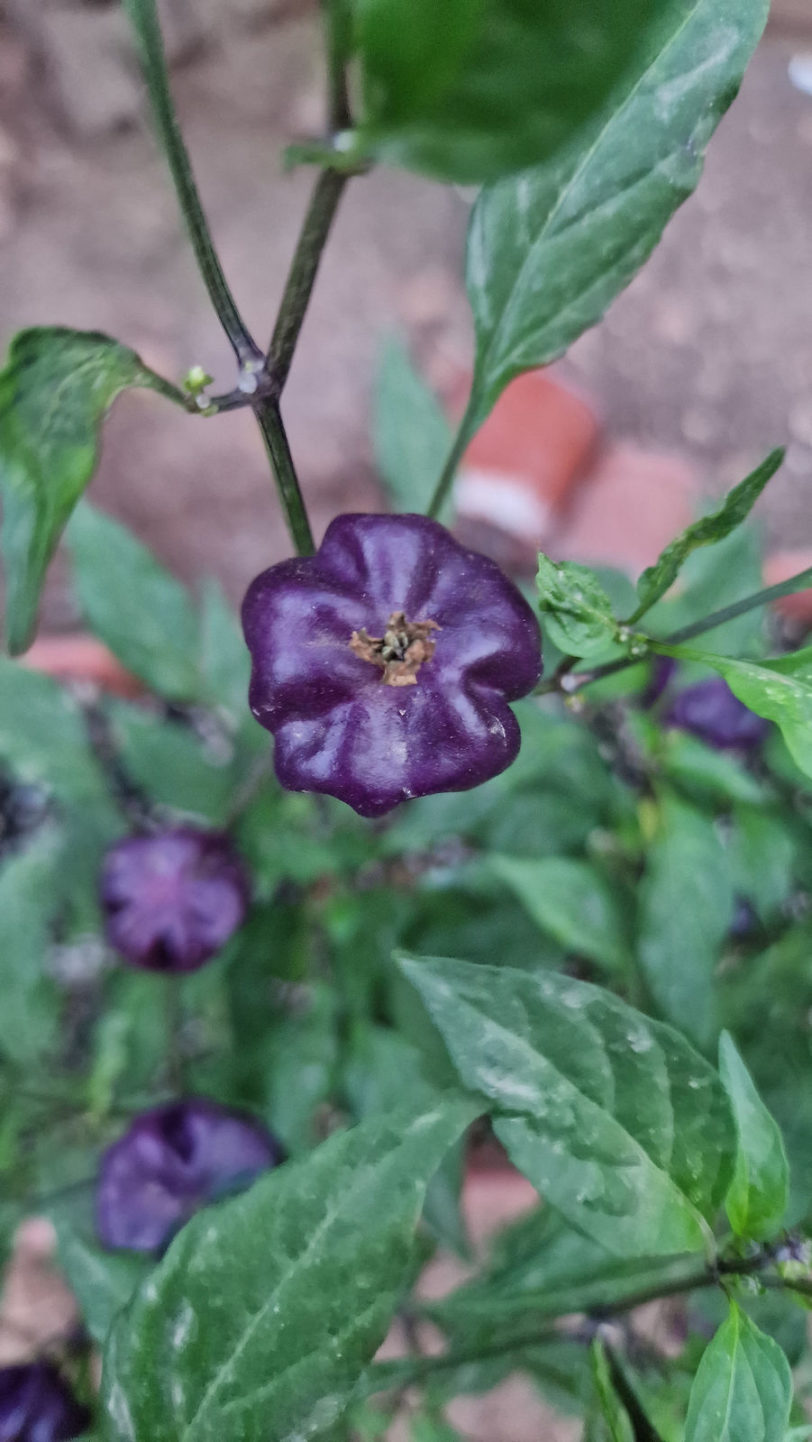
x: 261, y: 1001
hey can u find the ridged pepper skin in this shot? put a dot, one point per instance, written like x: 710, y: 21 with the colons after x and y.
x: 384, y: 664
x: 710, y: 711
x: 36, y: 1405
x: 172, y: 900
x: 171, y: 1161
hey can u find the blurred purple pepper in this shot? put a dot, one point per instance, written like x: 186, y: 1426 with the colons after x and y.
x: 710, y: 711
x: 171, y: 901
x: 172, y: 1161
x: 383, y: 665
x: 37, y: 1406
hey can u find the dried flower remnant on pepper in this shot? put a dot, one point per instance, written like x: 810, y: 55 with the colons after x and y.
x: 400, y: 651
x: 171, y: 901
x: 172, y: 1161
x: 384, y: 665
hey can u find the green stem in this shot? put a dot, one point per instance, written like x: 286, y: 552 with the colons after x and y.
x: 302, y: 276
x: 453, y: 459
x: 276, y: 443
x: 338, y: 27
x: 384, y: 1375
x: 144, y: 18
x: 740, y: 608
x: 686, y: 633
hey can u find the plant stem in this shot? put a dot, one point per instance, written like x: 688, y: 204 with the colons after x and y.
x: 301, y: 278
x: 337, y: 25
x: 686, y: 633
x: 276, y: 443
x: 384, y: 1375
x: 452, y: 461
x: 144, y: 18
x: 740, y: 608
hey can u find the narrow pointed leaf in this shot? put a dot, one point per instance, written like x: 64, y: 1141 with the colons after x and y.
x: 757, y: 1199
x: 736, y: 507
x: 743, y: 1388
x: 55, y: 391
x: 265, y: 1310
x: 551, y: 248
x: 613, y: 1117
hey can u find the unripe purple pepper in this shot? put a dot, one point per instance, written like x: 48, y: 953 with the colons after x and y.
x: 36, y: 1405
x: 384, y: 664
x: 171, y: 901
x: 170, y: 1162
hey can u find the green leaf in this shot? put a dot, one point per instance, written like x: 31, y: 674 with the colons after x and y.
x: 780, y: 690
x: 381, y: 1067
x: 168, y: 762
x: 756, y: 1202
x: 54, y: 393
x: 28, y: 897
x: 571, y: 902
x: 102, y: 1282
x: 539, y: 1268
x: 686, y: 906
x: 433, y: 1429
x: 474, y: 89
x: 742, y: 1391
x: 265, y: 1309
x: 579, y: 617
x: 614, y: 1118
x: 43, y: 738
x: 615, y: 1416
x: 762, y: 855
x: 699, y: 770
x: 550, y: 249
x: 410, y: 432
x: 225, y: 665
x: 735, y: 508
x: 141, y: 612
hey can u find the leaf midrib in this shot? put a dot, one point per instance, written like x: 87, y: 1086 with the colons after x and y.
x: 574, y: 179
x: 298, y: 1262
x: 526, y: 1046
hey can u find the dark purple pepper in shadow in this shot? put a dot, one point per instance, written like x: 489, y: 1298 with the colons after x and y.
x: 710, y: 711
x: 171, y: 901
x: 36, y: 1405
x: 384, y: 664
x: 171, y: 1162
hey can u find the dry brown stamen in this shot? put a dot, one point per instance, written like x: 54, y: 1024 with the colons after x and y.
x: 400, y: 651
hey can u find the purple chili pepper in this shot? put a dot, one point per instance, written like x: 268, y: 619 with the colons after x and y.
x: 384, y: 664
x: 36, y: 1405
x: 710, y: 711
x: 172, y: 1161
x: 171, y: 901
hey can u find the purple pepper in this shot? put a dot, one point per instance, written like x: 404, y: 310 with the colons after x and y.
x: 710, y: 711
x: 37, y: 1406
x: 384, y: 664
x: 172, y: 1161
x: 171, y: 901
